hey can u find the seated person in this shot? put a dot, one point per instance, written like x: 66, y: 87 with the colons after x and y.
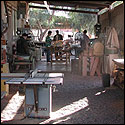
x: 22, y: 45
x: 22, y: 48
x: 27, y: 25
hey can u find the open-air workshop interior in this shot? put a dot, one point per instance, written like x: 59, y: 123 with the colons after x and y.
x: 62, y: 62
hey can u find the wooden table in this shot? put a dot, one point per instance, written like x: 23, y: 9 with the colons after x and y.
x: 63, y: 54
x: 119, y: 62
x: 118, y: 72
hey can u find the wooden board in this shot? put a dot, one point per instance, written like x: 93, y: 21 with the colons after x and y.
x: 94, y: 66
x: 4, y: 88
x: 5, y: 68
x: 84, y: 66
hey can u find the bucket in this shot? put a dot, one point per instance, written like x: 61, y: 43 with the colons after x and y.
x: 75, y: 69
x: 106, y: 80
x: 38, y: 54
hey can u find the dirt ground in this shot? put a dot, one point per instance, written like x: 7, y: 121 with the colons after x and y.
x: 80, y: 100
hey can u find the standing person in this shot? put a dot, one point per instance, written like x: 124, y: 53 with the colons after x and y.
x: 86, y: 40
x: 48, y: 44
x: 57, y: 37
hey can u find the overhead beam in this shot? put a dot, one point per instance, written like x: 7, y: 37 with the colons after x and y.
x: 52, y: 8
x: 82, y: 4
x: 47, y: 6
x: 94, y: 3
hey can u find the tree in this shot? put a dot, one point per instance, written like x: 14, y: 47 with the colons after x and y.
x: 82, y: 21
x: 78, y: 21
x: 42, y: 19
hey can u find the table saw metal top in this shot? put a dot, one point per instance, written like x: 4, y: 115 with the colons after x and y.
x: 36, y: 77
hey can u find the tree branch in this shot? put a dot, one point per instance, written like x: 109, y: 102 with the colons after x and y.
x: 42, y: 34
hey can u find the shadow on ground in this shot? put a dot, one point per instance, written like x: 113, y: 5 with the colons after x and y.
x: 81, y: 100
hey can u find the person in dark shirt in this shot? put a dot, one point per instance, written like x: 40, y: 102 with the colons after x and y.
x: 22, y: 45
x: 57, y: 37
x: 86, y: 40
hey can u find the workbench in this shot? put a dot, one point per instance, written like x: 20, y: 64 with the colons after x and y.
x: 90, y: 65
x: 63, y: 54
x: 91, y: 59
x: 38, y: 92
x: 118, y: 72
x: 119, y: 62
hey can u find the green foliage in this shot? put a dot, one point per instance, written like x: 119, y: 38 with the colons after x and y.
x: 78, y: 21
x: 83, y: 21
x: 41, y: 15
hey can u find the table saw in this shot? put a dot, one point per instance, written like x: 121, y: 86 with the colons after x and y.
x: 38, y: 92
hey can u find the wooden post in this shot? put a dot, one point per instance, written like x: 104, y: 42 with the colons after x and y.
x: 98, y: 68
x: 94, y: 66
x: 84, y: 66
x: 5, y: 69
x: 66, y: 58
x: 91, y: 62
x: 80, y: 62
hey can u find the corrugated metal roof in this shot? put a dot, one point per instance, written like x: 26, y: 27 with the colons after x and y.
x: 79, y: 4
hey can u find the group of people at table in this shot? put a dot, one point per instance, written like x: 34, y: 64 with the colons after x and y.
x: 58, y: 37
x: 48, y: 44
x: 22, y: 46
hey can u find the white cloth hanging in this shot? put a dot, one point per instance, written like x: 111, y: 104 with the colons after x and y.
x: 113, y: 40
x: 111, y: 44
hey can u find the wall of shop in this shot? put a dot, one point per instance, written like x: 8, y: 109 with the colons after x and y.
x: 114, y: 18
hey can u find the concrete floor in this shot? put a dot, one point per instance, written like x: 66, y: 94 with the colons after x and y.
x: 47, y: 67
x: 80, y: 100
x: 55, y: 67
